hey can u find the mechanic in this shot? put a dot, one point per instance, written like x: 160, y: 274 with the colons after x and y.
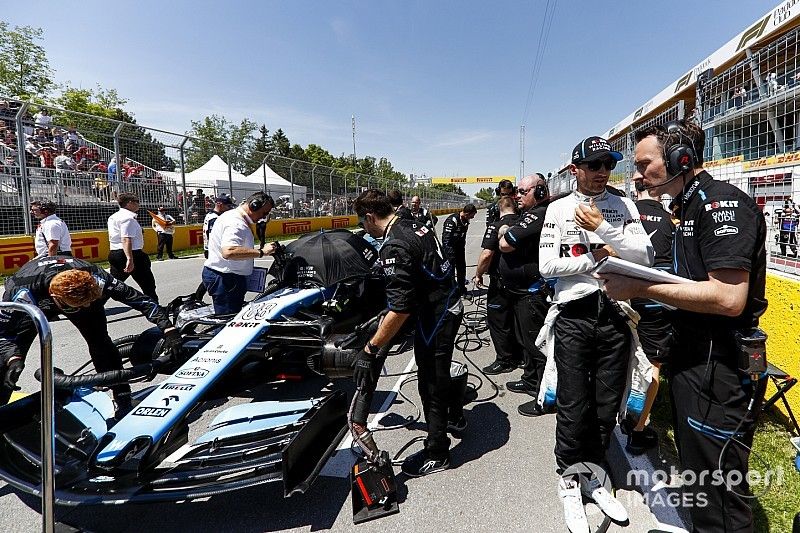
x: 420, y: 290
x: 504, y: 189
x: 126, y: 241
x: 232, y: 253
x: 592, y: 337
x: 719, y: 243
x: 787, y: 225
x: 653, y: 328
x: 78, y: 290
x: 499, y: 313
x: 454, y: 242
x: 527, y: 290
x: 52, y: 234
x: 222, y: 203
x: 396, y: 199
x: 422, y: 215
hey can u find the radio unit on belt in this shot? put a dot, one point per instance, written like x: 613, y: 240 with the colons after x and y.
x: 752, y: 346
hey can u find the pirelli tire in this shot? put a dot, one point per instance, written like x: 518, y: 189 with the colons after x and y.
x: 142, y: 348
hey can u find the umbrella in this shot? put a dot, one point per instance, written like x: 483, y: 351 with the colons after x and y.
x: 328, y: 257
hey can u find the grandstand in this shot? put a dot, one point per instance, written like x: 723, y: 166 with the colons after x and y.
x: 746, y: 96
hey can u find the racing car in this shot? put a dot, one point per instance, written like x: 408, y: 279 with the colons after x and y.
x: 176, y: 443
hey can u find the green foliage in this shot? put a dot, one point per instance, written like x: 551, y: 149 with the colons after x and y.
x: 280, y: 143
x: 24, y: 69
x: 319, y: 156
x: 448, y: 187
x: 486, y: 194
x: 215, y: 135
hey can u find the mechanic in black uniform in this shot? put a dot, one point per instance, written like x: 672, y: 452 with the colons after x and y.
x: 654, y: 328
x: 787, y: 225
x: 422, y: 215
x: 526, y: 289
x: 78, y: 290
x: 499, y: 312
x: 396, y: 199
x: 504, y: 189
x: 420, y: 290
x: 720, y: 243
x: 454, y: 242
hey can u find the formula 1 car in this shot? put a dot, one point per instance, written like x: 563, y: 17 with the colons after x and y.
x: 311, y: 320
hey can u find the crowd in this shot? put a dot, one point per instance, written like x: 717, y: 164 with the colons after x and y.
x: 572, y: 328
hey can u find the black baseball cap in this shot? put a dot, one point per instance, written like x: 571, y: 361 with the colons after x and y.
x: 592, y: 149
x: 223, y: 198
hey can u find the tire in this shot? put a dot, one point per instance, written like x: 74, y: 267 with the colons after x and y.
x: 141, y: 348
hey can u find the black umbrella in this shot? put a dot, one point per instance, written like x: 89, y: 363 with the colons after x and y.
x: 328, y: 257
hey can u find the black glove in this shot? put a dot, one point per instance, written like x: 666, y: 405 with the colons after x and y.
x: 363, y: 375
x: 13, y: 370
x: 173, y: 343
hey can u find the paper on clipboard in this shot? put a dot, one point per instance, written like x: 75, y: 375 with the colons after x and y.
x: 615, y: 265
x: 257, y: 279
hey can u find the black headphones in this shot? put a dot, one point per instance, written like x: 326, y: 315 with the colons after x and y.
x: 505, y: 184
x: 679, y: 158
x: 259, y: 200
x: 540, y: 192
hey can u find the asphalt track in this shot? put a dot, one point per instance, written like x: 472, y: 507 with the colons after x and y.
x: 503, y: 476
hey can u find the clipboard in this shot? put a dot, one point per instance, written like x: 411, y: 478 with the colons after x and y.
x: 257, y: 280
x: 615, y: 265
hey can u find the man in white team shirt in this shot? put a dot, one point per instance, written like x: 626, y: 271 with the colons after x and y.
x: 52, y: 234
x: 222, y: 203
x: 592, y: 338
x: 231, y: 253
x: 125, y: 241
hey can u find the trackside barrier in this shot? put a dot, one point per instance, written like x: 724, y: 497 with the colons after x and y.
x: 48, y: 428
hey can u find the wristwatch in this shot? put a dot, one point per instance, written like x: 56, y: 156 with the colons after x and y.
x: 372, y: 349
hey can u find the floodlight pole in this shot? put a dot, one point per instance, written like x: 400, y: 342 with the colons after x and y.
x: 291, y: 177
x: 184, y: 200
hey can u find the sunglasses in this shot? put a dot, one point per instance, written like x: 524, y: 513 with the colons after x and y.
x: 523, y: 192
x: 609, y: 164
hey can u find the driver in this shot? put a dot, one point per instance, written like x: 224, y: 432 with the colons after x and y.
x: 421, y: 289
x: 78, y: 290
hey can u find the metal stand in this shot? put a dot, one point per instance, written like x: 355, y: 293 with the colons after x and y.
x: 48, y: 428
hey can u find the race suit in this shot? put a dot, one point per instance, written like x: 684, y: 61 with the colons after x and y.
x: 454, y: 242
x: 31, y: 285
x: 592, y: 337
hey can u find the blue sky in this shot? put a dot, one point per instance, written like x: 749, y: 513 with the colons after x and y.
x: 437, y: 87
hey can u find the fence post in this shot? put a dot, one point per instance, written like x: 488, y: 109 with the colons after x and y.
x: 330, y: 180
x: 24, y: 184
x: 184, y: 200
x: 230, y: 175
x: 291, y: 177
x: 117, y: 155
x: 264, y: 169
x: 313, y: 192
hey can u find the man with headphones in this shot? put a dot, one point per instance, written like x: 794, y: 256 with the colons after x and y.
x: 52, y: 234
x: 524, y: 286
x: 232, y: 252
x: 504, y: 189
x: 716, y: 390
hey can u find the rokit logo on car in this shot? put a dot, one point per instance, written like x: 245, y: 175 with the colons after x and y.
x: 192, y: 373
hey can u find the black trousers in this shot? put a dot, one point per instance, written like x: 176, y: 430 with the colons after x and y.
x: 592, y: 343
x: 654, y: 330
x: 92, y: 325
x: 709, y: 399
x: 500, y: 319
x: 165, y: 240
x: 790, y: 238
x: 433, y: 374
x: 458, y: 257
x: 530, y: 311
x: 142, y: 272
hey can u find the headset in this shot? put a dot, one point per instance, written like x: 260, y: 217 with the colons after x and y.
x: 679, y: 158
x: 259, y: 200
x: 45, y: 206
x: 540, y: 192
x: 505, y: 184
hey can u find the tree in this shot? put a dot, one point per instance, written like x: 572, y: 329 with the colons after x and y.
x: 319, y: 156
x: 24, y: 68
x: 449, y: 187
x: 264, y: 141
x: 215, y: 135
x: 486, y: 194
x: 280, y: 143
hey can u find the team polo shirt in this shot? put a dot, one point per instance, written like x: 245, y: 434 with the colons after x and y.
x: 491, y: 240
x: 232, y: 228
x: 123, y: 224
x: 720, y: 227
x: 52, y: 228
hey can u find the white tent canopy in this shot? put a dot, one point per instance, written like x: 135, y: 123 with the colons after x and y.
x: 273, y: 183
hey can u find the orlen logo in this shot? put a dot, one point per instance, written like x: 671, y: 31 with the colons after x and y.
x: 192, y: 373
x: 342, y: 222
x: 300, y: 226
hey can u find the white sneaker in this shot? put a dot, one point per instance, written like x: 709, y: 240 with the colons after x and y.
x: 570, y: 491
x: 593, y: 489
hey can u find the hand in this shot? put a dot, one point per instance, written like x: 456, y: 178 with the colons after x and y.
x: 501, y: 232
x: 364, y: 371
x: 478, y: 281
x: 622, y: 287
x: 588, y: 217
x: 13, y: 370
x: 173, y: 342
x: 128, y: 266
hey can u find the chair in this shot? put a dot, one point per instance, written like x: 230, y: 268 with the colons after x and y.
x: 783, y: 382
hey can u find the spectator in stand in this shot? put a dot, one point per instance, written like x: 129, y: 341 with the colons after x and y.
x: 52, y: 234
x: 6, y: 113
x: 64, y: 162
x: 10, y: 139
x: 47, y: 157
x: 126, y: 241
x: 58, y: 138
x: 42, y: 119
x: 165, y: 233
x: 40, y: 136
x: 99, y: 166
x: 73, y: 138
x: 199, y: 201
